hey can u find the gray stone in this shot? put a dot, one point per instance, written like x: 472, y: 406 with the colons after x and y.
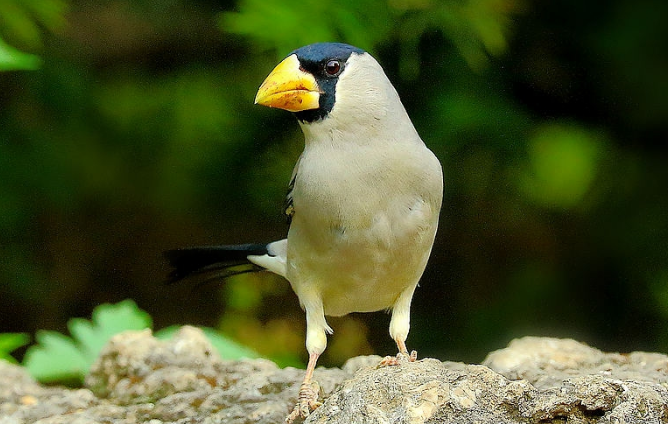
x: 139, y: 379
x: 546, y: 362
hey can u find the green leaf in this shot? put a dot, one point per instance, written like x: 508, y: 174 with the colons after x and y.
x: 24, y: 21
x: 57, y: 357
x: 226, y: 347
x: 12, y: 59
x: 9, y: 342
x: 108, y: 320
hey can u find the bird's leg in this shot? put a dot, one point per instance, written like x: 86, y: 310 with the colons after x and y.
x: 399, y: 326
x: 307, y: 400
x: 316, y: 341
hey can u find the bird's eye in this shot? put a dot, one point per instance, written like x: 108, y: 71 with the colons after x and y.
x: 333, y: 67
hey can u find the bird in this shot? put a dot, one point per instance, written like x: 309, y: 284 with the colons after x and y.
x: 363, y: 201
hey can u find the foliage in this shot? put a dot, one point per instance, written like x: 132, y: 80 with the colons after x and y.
x: 13, y: 59
x: 563, y: 163
x: 22, y: 21
x: 58, y: 358
x: 9, y: 342
x: 476, y: 27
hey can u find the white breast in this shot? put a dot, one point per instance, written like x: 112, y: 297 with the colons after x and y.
x: 362, y: 232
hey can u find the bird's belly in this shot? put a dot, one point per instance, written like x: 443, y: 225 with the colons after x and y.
x: 364, y: 283
x: 361, y: 269
x: 364, y: 287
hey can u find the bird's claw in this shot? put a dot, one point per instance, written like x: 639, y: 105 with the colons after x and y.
x: 392, y: 361
x: 307, y: 402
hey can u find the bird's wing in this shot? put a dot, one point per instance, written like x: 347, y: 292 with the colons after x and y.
x: 289, y: 209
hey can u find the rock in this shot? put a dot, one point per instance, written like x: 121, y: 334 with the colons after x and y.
x: 420, y: 392
x: 546, y: 362
x: 136, y: 367
x: 22, y: 400
x: 184, y: 378
x: 583, y: 384
x: 139, y: 379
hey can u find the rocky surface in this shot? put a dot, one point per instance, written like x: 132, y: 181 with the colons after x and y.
x: 139, y: 379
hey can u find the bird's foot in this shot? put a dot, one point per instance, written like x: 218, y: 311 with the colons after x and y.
x: 392, y: 361
x: 307, y: 402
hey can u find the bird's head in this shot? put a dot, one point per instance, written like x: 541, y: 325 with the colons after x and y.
x: 313, y: 80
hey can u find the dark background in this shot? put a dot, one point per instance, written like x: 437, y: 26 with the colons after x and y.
x: 138, y: 133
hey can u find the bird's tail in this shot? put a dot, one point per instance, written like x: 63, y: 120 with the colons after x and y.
x: 211, y: 262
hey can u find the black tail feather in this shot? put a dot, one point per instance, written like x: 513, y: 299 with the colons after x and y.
x: 216, y: 261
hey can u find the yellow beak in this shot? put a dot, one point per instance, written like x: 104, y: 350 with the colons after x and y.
x: 288, y: 87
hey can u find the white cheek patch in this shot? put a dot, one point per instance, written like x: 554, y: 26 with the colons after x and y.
x: 361, y: 91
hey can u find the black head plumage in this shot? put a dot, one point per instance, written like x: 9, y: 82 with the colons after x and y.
x: 325, y: 61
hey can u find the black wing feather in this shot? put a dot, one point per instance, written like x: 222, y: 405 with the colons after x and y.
x: 218, y: 261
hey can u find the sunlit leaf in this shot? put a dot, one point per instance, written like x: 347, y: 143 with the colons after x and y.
x: 9, y: 342
x: 12, y: 59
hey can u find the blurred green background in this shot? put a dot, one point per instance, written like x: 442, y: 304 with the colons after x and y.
x: 127, y: 127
